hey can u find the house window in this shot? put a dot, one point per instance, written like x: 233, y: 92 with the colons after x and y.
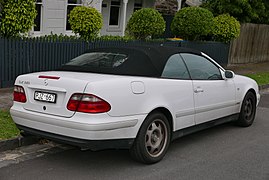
x: 70, y: 5
x: 137, y: 5
x: 114, y: 13
x: 38, y: 8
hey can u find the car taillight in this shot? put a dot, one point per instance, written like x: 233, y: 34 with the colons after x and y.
x: 87, y: 103
x: 19, y: 94
x: 49, y: 77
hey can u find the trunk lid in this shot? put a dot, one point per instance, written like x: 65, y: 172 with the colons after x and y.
x: 61, y: 84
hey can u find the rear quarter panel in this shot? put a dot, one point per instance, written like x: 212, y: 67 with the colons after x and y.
x: 174, y: 95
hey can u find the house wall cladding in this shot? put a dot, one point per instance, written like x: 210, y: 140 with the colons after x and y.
x: 252, y: 46
x: 54, y: 14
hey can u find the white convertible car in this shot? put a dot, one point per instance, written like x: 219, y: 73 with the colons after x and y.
x: 139, y: 98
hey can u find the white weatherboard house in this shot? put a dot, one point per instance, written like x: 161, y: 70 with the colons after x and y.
x: 53, y: 14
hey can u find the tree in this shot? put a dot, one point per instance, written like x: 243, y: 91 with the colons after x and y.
x: 86, y: 21
x: 245, y: 11
x: 17, y: 16
x: 191, y: 23
x: 146, y: 23
x: 260, y: 11
x: 225, y: 28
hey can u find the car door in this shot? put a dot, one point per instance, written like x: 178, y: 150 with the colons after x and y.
x: 179, y: 92
x: 214, y: 97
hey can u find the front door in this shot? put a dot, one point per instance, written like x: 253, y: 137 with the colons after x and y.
x: 214, y: 97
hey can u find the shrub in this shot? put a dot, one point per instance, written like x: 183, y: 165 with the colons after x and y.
x: 146, y: 23
x: 192, y: 22
x: 85, y: 21
x: 56, y: 37
x: 17, y: 17
x: 61, y: 37
x: 225, y: 28
x: 114, y: 38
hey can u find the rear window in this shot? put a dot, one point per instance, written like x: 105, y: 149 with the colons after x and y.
x: 118, y: 61
x: 99, y: 59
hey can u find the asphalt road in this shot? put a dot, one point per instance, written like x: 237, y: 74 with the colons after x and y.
x: 225, y: 152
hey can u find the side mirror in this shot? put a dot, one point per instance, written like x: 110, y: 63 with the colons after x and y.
x: 228, y: 74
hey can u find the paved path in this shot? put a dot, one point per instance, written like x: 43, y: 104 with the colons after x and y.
x: 6, y: 98
x: 249, y: 68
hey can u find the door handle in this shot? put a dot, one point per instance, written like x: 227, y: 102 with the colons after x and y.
x: 198, y: 90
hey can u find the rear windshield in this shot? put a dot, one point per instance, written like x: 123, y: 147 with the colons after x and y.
x: 116, y: 61
x: 99, y: 59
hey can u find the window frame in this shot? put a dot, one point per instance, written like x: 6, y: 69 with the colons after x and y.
x: 220, y: 69
x: 66, y: 14
x: 39, y: 2
x: 119, y: 17
x: 136, y: 7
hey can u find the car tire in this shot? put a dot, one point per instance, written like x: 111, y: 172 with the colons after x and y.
x: 153, y: 139
x: 248, y: 110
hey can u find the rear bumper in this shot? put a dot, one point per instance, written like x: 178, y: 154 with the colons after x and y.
x: 81, y: 126
x: 82, y: 143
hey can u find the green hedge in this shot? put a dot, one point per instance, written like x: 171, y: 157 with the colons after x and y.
x: 225, y: 28
x: 85, y: 21
x: 146, y: 23
x: 17, y: 17
x: 192, y: 23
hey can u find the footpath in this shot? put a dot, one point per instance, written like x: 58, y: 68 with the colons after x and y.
x: 6, y: 101
x: 249, y: 68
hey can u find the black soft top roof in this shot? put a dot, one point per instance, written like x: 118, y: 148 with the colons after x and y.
x: 146, y: 61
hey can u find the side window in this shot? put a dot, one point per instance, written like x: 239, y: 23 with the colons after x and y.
x: 175, y: 68
x: 38, y: 8
x: 114, y: 17
x: 137, y: 5
x: 201, y: 68
x: 71, y: 4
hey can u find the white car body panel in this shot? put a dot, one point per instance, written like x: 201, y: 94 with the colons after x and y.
x: 129, y: 107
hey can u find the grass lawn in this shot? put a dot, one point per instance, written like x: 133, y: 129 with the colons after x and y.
x: 261, y: 78
x: 7, y: 127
